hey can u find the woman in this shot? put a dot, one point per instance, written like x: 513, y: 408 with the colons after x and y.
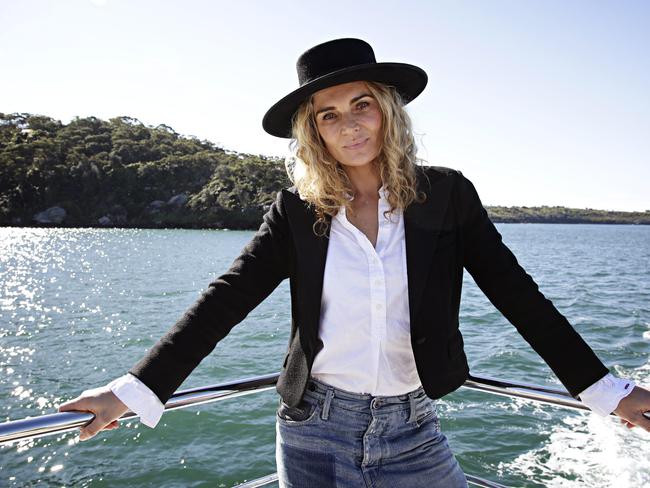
x: 374, y: 247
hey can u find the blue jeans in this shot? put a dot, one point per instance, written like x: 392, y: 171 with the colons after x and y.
x: 336, y: 438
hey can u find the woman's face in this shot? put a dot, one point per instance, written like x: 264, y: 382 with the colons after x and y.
x: 349, y: 121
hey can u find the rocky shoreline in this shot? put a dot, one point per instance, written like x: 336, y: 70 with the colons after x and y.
x: 172, y: 214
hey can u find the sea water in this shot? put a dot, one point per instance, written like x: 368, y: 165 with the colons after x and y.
x: 78, y: 307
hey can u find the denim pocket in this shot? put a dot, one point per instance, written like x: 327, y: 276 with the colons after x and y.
x: 301, y: 414
x: 423, y: 416
x: 426, y: 413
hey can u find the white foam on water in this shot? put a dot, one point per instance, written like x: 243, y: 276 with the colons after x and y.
x: 588, y: 450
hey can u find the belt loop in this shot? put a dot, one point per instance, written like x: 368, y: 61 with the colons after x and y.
x: 413, y: 414
x: 326, y: 404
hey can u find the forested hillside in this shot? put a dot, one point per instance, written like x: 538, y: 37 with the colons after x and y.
x: 120, y: 172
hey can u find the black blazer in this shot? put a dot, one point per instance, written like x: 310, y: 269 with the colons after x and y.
x: 448, y: 232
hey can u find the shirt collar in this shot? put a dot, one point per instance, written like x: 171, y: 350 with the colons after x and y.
x: 383, y: 194
x: 383, y: 202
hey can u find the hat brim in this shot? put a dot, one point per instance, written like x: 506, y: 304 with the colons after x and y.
x: 409, y: 81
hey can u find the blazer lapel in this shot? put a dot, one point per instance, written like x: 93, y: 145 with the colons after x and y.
x: 311, y: 253
x: 422, y: 225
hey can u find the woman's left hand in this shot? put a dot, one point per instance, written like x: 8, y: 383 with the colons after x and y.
x: 631, y: 408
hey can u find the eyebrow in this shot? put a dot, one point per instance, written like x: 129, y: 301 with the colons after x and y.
x: 358, y: 97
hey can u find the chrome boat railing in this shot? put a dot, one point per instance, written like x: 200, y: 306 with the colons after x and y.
x: 56, y: 423
x: 30, y: 428
x: 272, y: 478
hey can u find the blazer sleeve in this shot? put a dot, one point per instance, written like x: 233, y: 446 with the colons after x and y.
x: 514, y: 293
x: 254, y: 274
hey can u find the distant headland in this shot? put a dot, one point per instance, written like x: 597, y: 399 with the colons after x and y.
x: 121, y: 173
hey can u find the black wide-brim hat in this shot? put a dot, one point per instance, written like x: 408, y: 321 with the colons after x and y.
x: 335, y: 62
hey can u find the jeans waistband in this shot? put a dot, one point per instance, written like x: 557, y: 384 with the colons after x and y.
x: 319, y: 387
x: 329, y: 395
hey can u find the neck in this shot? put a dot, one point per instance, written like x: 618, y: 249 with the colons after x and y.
x: 365, y: 180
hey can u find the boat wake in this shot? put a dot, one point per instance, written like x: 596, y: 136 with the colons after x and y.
x: 587, y: 450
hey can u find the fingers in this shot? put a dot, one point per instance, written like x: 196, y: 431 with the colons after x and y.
x: 91, y: 430
x: 632, y: 407
x: 96, y: 426
x: 103, y: 404
x: 81, y: 404
x: 77, y: 404
x: 637, y: 420
x: 642, y: 422
x: 627, y: 424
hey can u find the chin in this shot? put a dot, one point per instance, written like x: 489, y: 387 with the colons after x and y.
x: 355, y: 164
x: 358, y: 161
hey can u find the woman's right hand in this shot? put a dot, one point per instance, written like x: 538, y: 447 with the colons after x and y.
x: 101, y: 402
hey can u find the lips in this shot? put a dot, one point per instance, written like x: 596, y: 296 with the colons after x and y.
x: 357, y: 145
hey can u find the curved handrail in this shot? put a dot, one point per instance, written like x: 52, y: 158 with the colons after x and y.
x: 272, y: 478
x: 55, y: 423
x: 30, y: 428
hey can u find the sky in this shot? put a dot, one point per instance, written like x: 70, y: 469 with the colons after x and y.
x: 536, y: 102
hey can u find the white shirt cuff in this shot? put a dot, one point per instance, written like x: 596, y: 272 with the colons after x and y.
x: 139, y: 398
x: 604, y: 395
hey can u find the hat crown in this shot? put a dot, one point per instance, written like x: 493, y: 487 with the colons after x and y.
x: 335, y: 62
x: 332, y: 56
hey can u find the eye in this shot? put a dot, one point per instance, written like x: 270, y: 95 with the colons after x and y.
x: 362, y: 105
x: 327, y: 116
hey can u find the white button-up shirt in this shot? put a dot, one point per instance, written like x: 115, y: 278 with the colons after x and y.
x: 364, y: 320
x: 364, y: 323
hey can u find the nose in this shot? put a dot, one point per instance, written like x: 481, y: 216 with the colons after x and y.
x: 350, y: 123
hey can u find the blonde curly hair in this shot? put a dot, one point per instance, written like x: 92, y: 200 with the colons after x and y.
x: 321, y: 180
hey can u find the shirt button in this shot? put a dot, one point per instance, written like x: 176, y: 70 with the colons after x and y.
x: 377, y: 282
x: 378, y: 306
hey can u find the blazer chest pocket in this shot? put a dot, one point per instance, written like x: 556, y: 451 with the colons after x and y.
x: 446, y: 240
